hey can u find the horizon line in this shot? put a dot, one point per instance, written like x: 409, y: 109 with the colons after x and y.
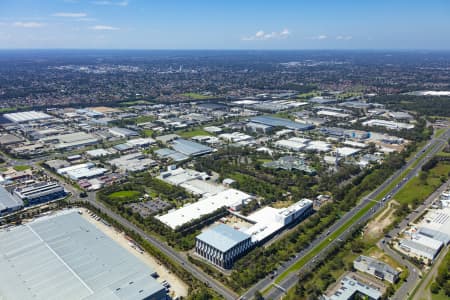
x: 230, y: 49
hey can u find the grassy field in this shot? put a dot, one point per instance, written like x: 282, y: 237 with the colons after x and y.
x: 21, y: 168
x: 124, y: 195
x: 439, y: 296
x: 144, y: 119
x: 191, y: 133
x: 418, y: 190
x: 137, y: 102
x: 440, y: 131
x: 443, y: 154
x: 196, y: 96
x: 308, y: 95
x: 147, y: 132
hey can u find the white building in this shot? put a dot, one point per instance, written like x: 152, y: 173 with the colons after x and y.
x: 388, y: 124
x: 196, y: 210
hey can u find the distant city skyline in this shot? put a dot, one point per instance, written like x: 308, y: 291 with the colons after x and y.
x: 139, y: 24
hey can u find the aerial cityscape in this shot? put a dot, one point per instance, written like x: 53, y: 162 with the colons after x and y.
x: 230, y: 150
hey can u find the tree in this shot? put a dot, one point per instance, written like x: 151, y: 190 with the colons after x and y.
x: 258, y: 296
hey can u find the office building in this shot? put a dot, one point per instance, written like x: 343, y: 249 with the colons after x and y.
x: 376, y: 268
x: 222, y: 244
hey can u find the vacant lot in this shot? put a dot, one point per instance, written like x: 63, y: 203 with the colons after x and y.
x: 420, y: 187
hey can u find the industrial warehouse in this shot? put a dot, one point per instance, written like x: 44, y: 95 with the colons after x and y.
x: 63, y: 256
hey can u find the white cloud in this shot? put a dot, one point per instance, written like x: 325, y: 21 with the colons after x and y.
x: 107, y: 2
x: 70, y: 14
x: 320, y: 37
x: 28, y: 24
x: 264, y: 36
x: 104, y: 28
x: 344, y: 37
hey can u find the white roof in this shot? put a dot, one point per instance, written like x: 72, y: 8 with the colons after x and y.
x: 26, y: 116
x: 293, y: 145
x: 98, y: 152
x: 319, y: 146
x: 141, y: 141
x: 347, y: 151
x: 332, y: 114
x: 437, y: 219
x: 66, y: 257
x: 202, y: 207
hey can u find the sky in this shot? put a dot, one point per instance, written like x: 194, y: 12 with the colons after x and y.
x: 225, y: 24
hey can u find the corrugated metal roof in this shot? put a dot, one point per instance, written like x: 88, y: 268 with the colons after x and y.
x: 223, y: 237
x: 274, y: 121
x: 190, y: 148
x: 66, y: 257
x: 8, y: 201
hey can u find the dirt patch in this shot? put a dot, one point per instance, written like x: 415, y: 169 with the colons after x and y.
x: 374, y: 228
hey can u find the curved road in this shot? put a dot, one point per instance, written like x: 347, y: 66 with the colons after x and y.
x: 414, y: 274
x: 276, y: 292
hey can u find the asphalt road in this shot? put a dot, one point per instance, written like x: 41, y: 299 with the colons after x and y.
x: 414, y: 273
x: 166, y: 249
x: 276, y: 292
x: 291, y: 279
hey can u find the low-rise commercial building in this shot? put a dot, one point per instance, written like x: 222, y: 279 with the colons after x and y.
x: 388, y: 124
x: 352, y: 287
x: 40, y: 193
x: 8, y: 203
x: 376, y: 268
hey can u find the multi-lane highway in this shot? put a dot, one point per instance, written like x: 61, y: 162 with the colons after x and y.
x: 412, y: 167
x: 290, y: 280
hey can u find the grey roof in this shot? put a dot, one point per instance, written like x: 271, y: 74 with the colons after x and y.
x: 190, y: 148
x: 434, y: 234
x: 350, y: 286
x: 8, y: 201
x: 123, y: 147
x: 124, y: 131
x: 414, y: 245
x: 274, y: 121
x: 222, y: 237
x: 169, y: 153
x: 66, y: 257
x: 380, y: 266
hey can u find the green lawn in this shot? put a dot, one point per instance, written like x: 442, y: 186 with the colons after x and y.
x: 417, y: 189
x: 192, y: 133
x: 21, y: 168
x: 147, y: 132
x: 439, y: 296
x: 308, y: 95
x: 124, y: 195
x: 440, y: 131
x: 196, y: 96
x: 144, y: 119
x: 443, y: 154
x: 137, y: 102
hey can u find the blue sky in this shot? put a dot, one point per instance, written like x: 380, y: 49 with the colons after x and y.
x: 225, y: 24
